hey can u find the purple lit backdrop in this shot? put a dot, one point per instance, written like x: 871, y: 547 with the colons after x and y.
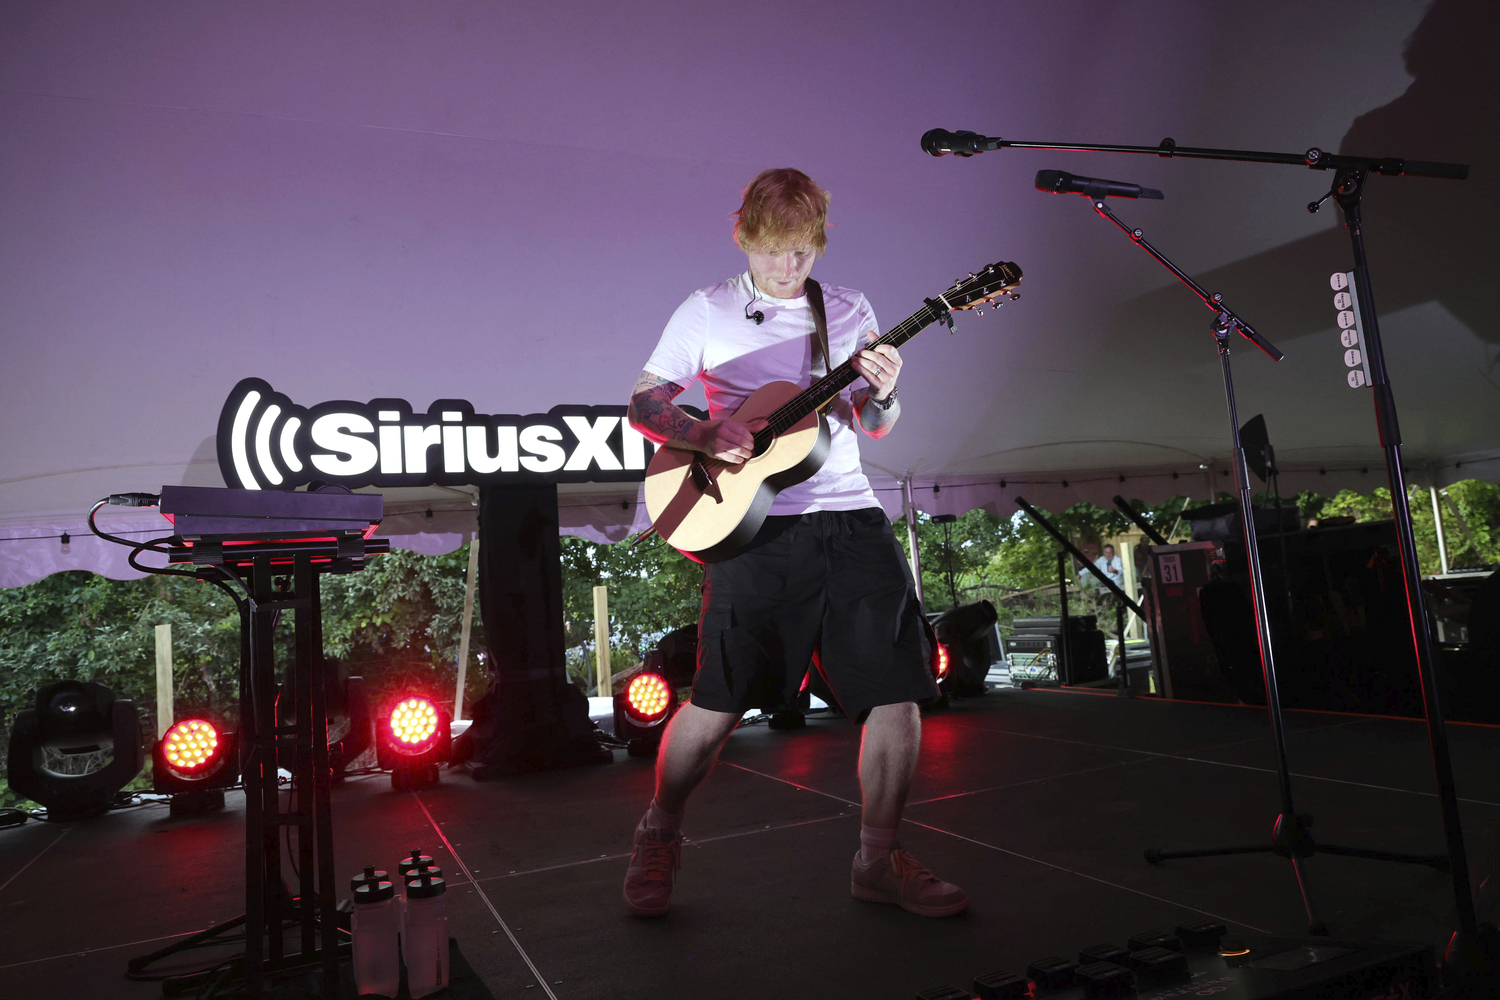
x: 505, y: 202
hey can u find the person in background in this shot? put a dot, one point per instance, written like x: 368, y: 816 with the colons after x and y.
x: 1109, y: 564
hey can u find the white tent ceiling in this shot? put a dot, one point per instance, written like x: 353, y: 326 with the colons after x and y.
x: 504, y: 203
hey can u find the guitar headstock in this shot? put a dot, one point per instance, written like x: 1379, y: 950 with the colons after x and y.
x: 993, y: 285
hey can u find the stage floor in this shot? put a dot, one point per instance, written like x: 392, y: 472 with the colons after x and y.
x: 1039, y: 803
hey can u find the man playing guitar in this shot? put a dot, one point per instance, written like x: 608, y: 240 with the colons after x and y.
x: 824, y: 575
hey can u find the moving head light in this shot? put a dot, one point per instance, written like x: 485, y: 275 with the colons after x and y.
x: 71, y: 719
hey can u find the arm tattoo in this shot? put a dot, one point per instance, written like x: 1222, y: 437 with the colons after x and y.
x: 876, y: 422
x: 653, y: 413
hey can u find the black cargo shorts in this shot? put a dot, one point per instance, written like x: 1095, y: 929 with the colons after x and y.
x: 831, y: 582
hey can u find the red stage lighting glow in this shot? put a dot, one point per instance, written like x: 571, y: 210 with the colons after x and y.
x: 648, y: 696
x: 190, y: 746
x: 413, y: 742
x: 943, y: 661
x: 414, y: 721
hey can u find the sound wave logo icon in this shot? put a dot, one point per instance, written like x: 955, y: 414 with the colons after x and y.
x: 265, y: 441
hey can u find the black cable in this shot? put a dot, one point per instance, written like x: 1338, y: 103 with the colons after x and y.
x: 154, y: 545
x: 10, y: 816
x: 134, y: 800
x: 201, y: 575
x: 149, y: 543
x: 155, y: 570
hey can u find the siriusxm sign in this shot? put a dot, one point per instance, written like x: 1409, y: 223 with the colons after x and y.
x: 265, y: 441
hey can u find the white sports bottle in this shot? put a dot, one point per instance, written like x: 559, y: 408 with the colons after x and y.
x: 424, y: 940
x: 375, y: 928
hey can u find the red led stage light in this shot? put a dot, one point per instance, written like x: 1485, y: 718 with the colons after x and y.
x: 413, y: 741
x: 191, y: 747
x: 648, y: 697
x: 642, y: 710
x: 194, y: 762
x: 413, y: 723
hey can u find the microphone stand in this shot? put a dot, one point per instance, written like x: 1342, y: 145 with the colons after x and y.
x: 1473, y: 950
x: 1289, y: 835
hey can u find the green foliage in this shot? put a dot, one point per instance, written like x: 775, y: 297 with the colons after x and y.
x: 653, y: 589
x: 398, y: 624
x: 1470, y: 511
x: 79, y: 626
x: 76, y: 625
x: 1012, y: 562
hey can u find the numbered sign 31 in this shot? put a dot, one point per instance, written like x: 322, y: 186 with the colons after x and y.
x: 1170, y: 567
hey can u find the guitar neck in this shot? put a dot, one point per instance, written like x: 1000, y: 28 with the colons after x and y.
x: 821, y: 392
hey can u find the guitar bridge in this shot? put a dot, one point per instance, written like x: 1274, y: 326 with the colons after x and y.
x: 704, y: 480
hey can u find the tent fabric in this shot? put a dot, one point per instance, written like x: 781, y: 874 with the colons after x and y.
x: 504, y: 203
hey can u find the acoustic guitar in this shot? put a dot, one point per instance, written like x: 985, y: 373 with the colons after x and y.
x: 709, y: 510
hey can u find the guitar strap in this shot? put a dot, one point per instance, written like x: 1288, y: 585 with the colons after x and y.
x: 820, y: 359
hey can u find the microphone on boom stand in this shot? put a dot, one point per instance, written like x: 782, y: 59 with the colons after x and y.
x: 1062, y: 182
x: 941, y: 142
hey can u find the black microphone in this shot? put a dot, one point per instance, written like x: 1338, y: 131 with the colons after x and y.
x: 940, y: 142
x: 1062, y: 182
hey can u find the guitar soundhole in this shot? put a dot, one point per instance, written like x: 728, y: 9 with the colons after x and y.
x: 762, y: 444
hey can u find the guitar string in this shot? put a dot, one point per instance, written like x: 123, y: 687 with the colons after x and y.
x: 787, y: 415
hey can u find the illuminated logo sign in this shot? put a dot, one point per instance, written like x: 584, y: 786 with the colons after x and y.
x: 266, y: 441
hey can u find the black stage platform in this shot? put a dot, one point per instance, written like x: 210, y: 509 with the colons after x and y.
x: 1039, y: 803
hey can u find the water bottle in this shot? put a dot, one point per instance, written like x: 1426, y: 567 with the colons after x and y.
x: 424, y: 940
x: 375, y: 929
x: 412, y: 866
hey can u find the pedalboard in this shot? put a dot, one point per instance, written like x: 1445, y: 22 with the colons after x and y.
x: 1200, y: 959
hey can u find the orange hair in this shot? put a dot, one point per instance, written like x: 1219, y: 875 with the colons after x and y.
x: 782, y: 209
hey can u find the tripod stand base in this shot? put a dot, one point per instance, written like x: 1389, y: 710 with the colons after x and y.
x: 1290, y: 839
x: 233, y: 971
x: 1438, y: 862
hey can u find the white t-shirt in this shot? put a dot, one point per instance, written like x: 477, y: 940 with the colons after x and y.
x: 709, y: 338
x: 1112, y: 568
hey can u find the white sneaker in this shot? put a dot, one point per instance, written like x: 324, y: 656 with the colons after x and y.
x: 648, y: 880
x: 901, y: 880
